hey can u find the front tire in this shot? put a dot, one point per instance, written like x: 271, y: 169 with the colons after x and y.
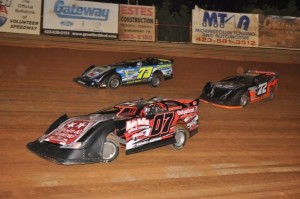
x: 156, y: 79
x: 111, y: 149
x: 181, y: 135
x: 113, y: 81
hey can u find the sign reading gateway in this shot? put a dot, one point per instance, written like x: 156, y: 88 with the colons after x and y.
x: 77, y: 12
x: 81, y: 19
x: 223, y: 28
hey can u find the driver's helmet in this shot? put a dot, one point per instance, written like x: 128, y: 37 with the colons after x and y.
x: 139, y: 63
x: 149, y: 110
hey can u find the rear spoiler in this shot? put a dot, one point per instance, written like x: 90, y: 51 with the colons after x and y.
x: 188, y: 102
x: 263, y: 72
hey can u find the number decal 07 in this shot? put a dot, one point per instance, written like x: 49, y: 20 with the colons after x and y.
x: 145, y: 72
x: 162, y: 123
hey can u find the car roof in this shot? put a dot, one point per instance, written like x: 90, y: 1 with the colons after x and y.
x: 139, y: 103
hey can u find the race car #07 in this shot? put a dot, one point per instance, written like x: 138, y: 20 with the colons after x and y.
x: 132, y: 71
x: 238, y: 91
x: 135, y: 125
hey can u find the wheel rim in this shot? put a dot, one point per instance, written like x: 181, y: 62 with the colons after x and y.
x: 109, y: 150
x: 114, y: 83
x: 155, y: 80
x: 179, y: 137
x: 243, y: 100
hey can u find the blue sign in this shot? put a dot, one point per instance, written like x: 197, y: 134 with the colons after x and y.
x: 218, y: 19
x: 80, y: 12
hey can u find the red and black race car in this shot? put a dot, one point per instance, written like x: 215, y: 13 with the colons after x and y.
x: 238, y: 91
x: 135, y: 125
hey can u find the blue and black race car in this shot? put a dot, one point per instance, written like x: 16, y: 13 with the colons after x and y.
x: 132, y: 71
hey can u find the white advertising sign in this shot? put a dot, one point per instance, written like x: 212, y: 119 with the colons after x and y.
x: 80, y: 19
x: 224, y: 28
x: 137, y: 23
x: 20, y: 16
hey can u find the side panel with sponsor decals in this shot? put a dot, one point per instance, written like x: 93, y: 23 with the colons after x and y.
x: 135, y: 74
x: 141, y: 131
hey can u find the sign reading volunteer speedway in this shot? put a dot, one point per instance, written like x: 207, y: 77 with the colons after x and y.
x: 224, y: 28
x: 20, y: 16
x: 80, y: 19
x: 137, y: 23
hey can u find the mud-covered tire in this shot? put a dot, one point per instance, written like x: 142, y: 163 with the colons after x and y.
x: 111, y: 149
x: 113, y: 81
x: 271, y: 94
x: 157, y: 79
x: 181, y: 136
x: 244, y: 100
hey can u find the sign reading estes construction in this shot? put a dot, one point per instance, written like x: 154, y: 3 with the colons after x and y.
x: 137, y: 23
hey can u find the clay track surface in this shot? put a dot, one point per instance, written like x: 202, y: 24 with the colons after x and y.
x: 248, y: 153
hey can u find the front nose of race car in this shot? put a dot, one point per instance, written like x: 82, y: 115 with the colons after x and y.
x: 56, y: 154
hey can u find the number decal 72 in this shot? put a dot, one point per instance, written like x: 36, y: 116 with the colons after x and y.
x: 262, y: 88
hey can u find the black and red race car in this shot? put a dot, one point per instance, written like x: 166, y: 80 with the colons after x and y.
x: 238, y: 91
x: 135, y: 125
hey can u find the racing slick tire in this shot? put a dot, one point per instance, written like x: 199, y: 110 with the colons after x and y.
x: 111, y: 149
x: 156, y: 80
x: 181, y: 136
x: 113, y: 81
x: 271, y: 94
x: 244, y: 100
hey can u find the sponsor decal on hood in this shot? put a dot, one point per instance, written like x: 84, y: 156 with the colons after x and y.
x: 96, y: 72
x: 227, y: 85
x: 73, y: 129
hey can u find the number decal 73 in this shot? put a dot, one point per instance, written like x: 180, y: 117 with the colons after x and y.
x: 145, y: 72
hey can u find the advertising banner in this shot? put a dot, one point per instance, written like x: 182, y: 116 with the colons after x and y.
x: 224, y: 28
x: 80, y: 19
x: 279, y: 31
x: 137, y: 23
x: 20, y: 16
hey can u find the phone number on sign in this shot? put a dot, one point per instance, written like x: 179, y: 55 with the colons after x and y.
x: 226, y: 41
x: 138, y: 37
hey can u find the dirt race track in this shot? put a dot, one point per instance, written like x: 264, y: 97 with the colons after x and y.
x: 248, y: 153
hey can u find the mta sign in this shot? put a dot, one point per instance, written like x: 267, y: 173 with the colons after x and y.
x: 218, y: 19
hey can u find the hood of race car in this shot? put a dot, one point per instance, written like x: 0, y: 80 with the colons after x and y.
x: 228, y: 85
x: 96, y: 72
x: 70, y: 131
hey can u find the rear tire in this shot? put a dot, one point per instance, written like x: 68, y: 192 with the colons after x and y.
x: 111, y: 149
x: 181, y: 136
x: 271, y: 94
x: 113, y: 81
x: 156, y: 79
x: 244, y: 100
